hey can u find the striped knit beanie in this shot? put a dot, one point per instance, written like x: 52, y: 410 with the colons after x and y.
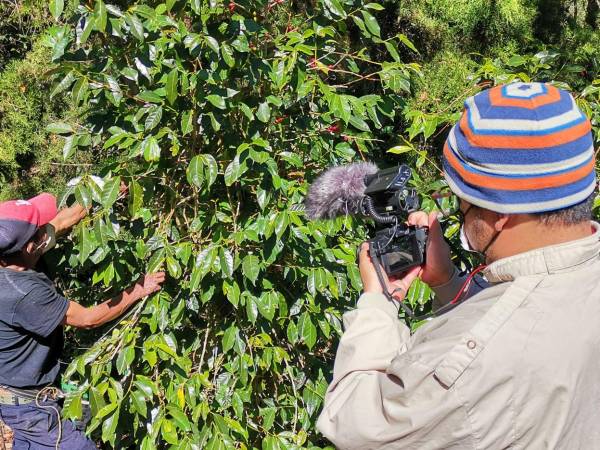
x: 521, y: 148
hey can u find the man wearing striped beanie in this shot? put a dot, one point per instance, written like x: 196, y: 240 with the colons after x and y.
x: 513, y: 357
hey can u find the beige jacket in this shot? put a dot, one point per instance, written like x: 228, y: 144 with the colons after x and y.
x: 517, y: 365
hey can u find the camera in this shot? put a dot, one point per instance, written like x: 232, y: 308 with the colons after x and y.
x: 388, y: 201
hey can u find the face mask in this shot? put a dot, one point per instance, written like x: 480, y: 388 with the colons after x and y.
x: 464, y: 241
x: 50, y: 241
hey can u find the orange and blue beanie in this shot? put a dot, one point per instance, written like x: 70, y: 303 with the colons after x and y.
x: 521, y: 148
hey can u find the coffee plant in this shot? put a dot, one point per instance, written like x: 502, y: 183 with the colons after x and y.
x: 206, y: 121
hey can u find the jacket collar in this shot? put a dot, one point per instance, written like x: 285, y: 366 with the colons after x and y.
x: 546, y: 260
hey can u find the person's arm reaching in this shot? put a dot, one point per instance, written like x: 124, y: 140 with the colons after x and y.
x: 67, y: 218
x: 79, y: 316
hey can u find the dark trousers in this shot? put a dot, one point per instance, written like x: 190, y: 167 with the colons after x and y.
x: 36, y: 428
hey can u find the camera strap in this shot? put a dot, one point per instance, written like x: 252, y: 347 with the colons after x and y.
x: 406, y: 308
x: 389, y: 295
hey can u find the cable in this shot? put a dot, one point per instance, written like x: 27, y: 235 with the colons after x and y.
x: 465, y: 285
x: 369, y: 209
x: 53, y: 393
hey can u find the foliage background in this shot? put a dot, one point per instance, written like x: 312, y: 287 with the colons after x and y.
x: 217, y: 115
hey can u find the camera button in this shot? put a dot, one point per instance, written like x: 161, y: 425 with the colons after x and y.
x: 471, y: 344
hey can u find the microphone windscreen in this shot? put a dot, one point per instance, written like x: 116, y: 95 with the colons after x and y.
x: 338, y: 191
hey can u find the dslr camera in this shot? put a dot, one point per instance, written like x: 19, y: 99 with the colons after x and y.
x: 388, y: 201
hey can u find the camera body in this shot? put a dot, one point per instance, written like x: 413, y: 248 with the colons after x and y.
x: 388, y: 201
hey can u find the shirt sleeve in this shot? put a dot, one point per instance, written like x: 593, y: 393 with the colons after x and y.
x: 382, y: 392
x: 41, y: 310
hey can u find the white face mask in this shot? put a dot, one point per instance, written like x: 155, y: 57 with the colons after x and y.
x: 50, y: 241
x: 464, y: 241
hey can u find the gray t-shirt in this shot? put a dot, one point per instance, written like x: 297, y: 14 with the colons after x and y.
x: 31, y: 337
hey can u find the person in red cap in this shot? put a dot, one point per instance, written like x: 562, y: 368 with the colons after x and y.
x: 32, y: 316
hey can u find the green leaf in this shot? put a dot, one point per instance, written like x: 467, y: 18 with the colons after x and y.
x: 336, y: 8
x: 63, y: 85
x: 69, y: 147
x: 187, y: 122
x: 173, y: 267
x: 395, y: 80
x: 195, y: 172
x: 375, y: 6
x: 264, y: 112
x: 217, y: 101
x: 135, y: 26
x: 281, y: 223
x: 359, y: 123
x: 211, y: 169
x: 125, y: 358
x: 340, y: 106
x: 229, y: 338
x: 136, y: 198
x: 228, y: 55
x: 150, y: 97
x: 151, y: 149
x: 391, y: 47
x: 157, y: 259
x: 171, y: 87
x: 109, y: 426
x: 83, y: 196
x: 371, y: 23
x: 407, y: 42
x: 226, y: 260
x: 110, y: 192
x: 212, y: 43
x: 399, y: 149
x: 59, y: 128
x: 100, y: 13
x: 139, y: 402
x: 80, y: 90
x: 56, y: 8
x: 87, y: 29
x: 73, y: 408
x: 233, y: 171
x: 153, y: 118
x: 251, y: 267
x: 307, y: 330
x: 267, y: 304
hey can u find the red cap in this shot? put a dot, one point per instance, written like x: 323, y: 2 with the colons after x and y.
x: 20, y: 219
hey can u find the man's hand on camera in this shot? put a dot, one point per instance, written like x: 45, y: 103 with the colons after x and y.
x: 438, y: 268
x: 398, y: 287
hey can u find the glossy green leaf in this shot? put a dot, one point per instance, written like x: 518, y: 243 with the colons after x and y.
x: 217, y: 101
x: 110, y: 192
x: 371, y: 23
x: 264, y: 112
x: 172, y: 80
x: 153, y: 118
x: 56, y: 8
x: 251, y: 267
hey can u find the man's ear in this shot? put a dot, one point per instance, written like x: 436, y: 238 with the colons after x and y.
x: 501, y: 222
x: 30, y: 247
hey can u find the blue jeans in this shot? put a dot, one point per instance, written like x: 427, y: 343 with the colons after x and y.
x: 36, y: 428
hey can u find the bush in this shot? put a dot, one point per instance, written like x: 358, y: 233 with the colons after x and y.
x: 28, y: 154
x: 216, y: 115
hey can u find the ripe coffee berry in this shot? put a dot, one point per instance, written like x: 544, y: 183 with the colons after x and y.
x: 231, y: 7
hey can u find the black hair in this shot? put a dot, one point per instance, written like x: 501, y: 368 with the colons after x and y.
x: 572, y: 215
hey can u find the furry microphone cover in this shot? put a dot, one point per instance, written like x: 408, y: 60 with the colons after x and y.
x: 338, y: 191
